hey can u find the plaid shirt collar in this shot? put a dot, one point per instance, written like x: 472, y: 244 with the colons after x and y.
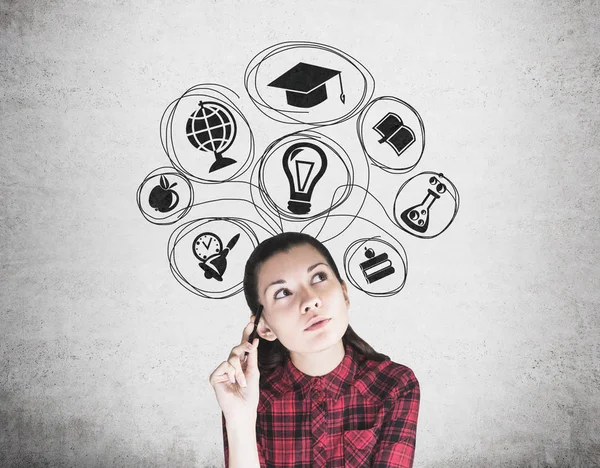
x: 334, y: 384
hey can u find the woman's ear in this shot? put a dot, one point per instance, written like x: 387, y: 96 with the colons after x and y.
x: 264, y: 331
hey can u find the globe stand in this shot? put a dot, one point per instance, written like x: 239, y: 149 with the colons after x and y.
x: 221, y: 162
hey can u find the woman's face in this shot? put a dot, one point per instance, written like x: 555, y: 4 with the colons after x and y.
x: 294, y: 287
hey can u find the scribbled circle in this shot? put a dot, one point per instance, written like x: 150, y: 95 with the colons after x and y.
x: 426, y: 204
x: 207, y: 256
x: 206, y: 136
x: 392, y: 134
x: 165, y: 196
x: 307, y: 82
x: 295, y: 163
x: 211, y: 127
x: 375, y: 266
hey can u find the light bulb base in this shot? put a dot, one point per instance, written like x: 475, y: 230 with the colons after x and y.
x: 298, y: 207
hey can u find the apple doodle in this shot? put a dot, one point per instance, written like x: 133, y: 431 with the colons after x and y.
x: 162, y: 197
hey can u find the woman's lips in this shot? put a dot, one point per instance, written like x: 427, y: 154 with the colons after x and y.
x: 318, y: 325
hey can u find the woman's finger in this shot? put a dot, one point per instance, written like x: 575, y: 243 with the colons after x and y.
x: 239, y: 373
x: 240, y: 349
x: 224, y: 372
x: 248, y: 329
x: 252, y: 359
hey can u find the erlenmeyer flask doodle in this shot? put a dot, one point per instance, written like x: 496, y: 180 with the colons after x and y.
x: 304, y: 164
x: 376, y: 267
x: 417, y: 217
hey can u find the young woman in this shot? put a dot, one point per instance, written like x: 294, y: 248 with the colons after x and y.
x: 311, y: 392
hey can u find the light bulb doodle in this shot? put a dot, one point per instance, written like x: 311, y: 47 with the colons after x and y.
x: 417, y: 217
x: 208, y: 248
x: 376, y: 267
x: 304, y: 164
x: 212, y: 128
x: 270, y: 187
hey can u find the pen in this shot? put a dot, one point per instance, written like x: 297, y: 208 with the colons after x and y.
x: 254, y: 331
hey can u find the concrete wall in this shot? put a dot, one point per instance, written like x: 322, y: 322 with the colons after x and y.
x: 105, y: 358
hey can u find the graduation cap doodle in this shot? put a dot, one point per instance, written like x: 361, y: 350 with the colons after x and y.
x: 305, y: 84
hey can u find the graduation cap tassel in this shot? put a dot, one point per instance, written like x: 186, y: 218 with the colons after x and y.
x: 342, y: 95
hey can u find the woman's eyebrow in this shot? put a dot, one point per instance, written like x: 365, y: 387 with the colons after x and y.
x: 274, y: 282
x: 282, y: 281
x: 311, y: 268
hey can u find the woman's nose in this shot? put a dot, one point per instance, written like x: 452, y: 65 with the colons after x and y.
x: 310, y: 301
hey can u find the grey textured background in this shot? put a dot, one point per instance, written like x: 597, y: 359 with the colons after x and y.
x: 105, y: 358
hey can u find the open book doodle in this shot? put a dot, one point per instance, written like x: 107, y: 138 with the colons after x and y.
x: 394, y: 133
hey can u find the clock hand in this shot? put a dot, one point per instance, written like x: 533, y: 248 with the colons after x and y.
x: 209, y: 242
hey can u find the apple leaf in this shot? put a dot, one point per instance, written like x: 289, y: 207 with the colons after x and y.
x: 163, y: 182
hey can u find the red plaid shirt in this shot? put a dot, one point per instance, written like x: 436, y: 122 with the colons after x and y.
x: 361, y: 414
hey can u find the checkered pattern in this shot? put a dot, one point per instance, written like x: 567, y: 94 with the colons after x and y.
x: 362, y: 414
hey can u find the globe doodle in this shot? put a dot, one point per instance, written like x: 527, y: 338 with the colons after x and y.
x: 212, y: 128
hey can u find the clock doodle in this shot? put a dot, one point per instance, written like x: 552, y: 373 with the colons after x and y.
x: 208, y: 248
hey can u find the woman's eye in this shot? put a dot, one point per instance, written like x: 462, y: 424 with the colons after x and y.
x: 321, y: 276
x: 281, y: 293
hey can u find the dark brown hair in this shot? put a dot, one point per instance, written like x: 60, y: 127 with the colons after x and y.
x: 273, y: 353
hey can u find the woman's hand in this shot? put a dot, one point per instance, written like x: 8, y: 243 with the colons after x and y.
x: 236, y: 382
